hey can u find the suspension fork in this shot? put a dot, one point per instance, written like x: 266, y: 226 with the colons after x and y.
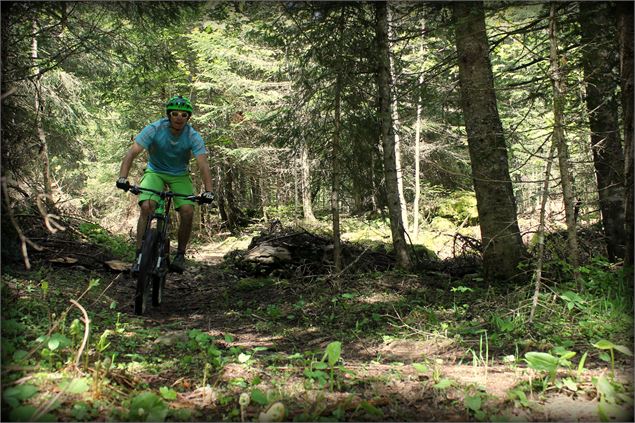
x: 163, y: 226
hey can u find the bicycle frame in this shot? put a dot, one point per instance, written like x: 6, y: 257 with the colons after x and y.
x: 161, y: 216
x: 154, y: 257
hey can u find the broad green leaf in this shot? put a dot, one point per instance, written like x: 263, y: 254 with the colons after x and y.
x: 624, y: 350
x: 581, y: 363
x: 259, y: 397
x: 570, y: 384
x: 520, y: 395
x: 25, y: 413
x: 614, y: 413
x: 320, y: 365
x: 19, y: 355
x: 605, y: 388
x: 603, y: 344
x: 568, y: 355
x: 473, y: 402
x: 420, y: 367
x: 167, y: 393
x: 148, y: 407
x: 542, y: 361
x: 80, y: 411
x: 315, y: 374
x: 57, y: 340
x: 15, y: 394
x: 443, y: 384
x: 333, y: 352
x: 243, y: 358
x: 77, y: 386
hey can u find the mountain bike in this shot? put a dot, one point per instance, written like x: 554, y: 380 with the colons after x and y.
x: 154, y: 259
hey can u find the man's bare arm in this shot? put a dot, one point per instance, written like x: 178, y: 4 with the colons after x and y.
x: 206, y: 173
x: 126, y: 163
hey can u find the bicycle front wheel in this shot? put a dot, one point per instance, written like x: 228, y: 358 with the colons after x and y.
x: 144, y: 277
x: 158, y: 280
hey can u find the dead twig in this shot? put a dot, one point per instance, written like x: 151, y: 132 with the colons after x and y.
x: 55, y: 325
x: 23, y: 239
x: 49, y: 219
x: 86, y: 331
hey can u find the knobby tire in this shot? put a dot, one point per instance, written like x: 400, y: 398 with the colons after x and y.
x: 145, y: 271
x: 158, y: 281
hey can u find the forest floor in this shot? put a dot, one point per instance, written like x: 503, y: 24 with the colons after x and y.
x: 380, y: 346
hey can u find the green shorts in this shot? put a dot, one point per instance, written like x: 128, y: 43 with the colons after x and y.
x: 181, y: 184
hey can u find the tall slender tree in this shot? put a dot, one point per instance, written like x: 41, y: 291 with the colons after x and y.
x: 388, y: 137
x: 558, y: 78
x: 307, y: 206
x: 396, y: 122
x: 417, y: 173
x: 502, y: 244
x: 599, y: 57
x: 625, y: 25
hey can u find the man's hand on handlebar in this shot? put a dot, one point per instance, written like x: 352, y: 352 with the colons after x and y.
x: 122, y: 183
x: 207, y: 197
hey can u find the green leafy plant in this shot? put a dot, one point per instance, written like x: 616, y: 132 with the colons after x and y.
x: 603, y: 344
x: 330, y: 358
x: 474, y: 403
x: 614, y: 405
x: 148, y: 407
x: 118, y: 244
x: 546, y: 362
x: 573, y: 300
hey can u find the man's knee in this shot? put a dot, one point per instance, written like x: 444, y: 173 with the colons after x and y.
x: 147, y: 207
x: 186, y: 212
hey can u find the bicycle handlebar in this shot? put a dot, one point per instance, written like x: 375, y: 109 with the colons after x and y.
x: 135, y: 189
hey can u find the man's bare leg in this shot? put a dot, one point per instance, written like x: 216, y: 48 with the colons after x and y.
x: 186, y: 214
x: 147, y: 208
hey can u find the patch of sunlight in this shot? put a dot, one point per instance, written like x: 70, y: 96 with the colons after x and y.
x: 368, y: 234
x: 231, y: 243
x: 380, y: 297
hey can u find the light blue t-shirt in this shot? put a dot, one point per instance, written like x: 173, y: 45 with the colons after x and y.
x: 167, y: 153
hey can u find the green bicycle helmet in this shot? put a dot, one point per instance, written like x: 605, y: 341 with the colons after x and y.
x: 178, y: 102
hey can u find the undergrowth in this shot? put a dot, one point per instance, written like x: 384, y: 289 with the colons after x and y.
x: 59, y: 366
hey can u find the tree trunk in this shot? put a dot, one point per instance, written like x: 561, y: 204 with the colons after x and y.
x: 415, y: 206
x: 598, y: 59
x: 625, y: 25
x: 388, y: 139
x: 39, y: 108
x: 566, y: 178
x: 502, y: 244
x: 541, y: 233
x: 233, y: 212
x: 307, y: 207
x: 335, y: 203
x: 222, y: 207
x: 396, y: 125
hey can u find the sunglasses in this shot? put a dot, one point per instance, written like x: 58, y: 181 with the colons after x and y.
x: 176, y: 114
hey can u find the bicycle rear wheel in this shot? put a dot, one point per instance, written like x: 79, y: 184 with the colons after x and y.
x: 145, y: 271
x: 158, y: 280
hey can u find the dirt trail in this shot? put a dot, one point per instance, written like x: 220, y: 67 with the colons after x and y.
x: 206, y: 297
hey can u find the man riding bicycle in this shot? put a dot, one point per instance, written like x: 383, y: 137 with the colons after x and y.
x: 171, y: 142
